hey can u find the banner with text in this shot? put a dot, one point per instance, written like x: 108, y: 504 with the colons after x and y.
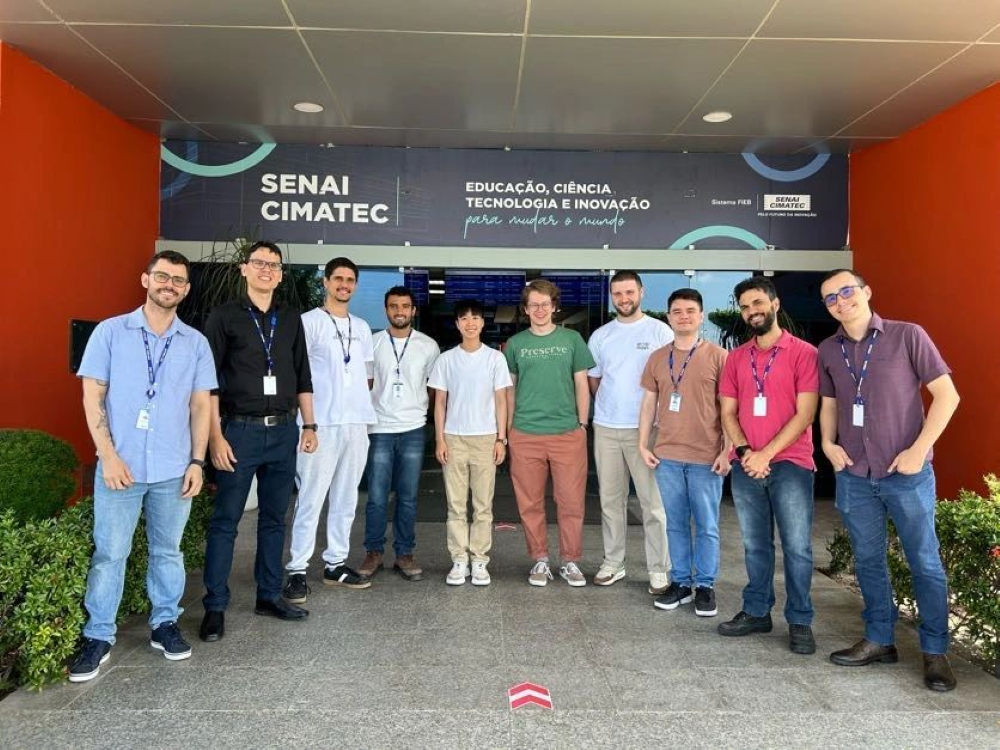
x: 492, y: 198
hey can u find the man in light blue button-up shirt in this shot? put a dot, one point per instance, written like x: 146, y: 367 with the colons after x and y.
x: 146, y: 382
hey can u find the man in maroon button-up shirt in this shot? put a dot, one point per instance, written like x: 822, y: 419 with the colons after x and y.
x: 879, y: 441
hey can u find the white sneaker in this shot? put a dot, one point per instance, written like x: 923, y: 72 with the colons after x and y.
x: 540, y: 574
x: 572, y: 575
x: 480, y: 575
x: 607, y: 575
x: 658, y: 583
x: 458, y: 573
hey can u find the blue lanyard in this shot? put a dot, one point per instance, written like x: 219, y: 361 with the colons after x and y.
x: 150, y: 370
x: 346, y: 352
x: 270, y: 336
x: 399, y: 356
x: 670, y: 361
x: 864, y: 364
x: 753, y: 367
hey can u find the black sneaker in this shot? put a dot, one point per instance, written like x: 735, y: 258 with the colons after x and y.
x: 800, y: 639
x: 296, y: 591
x: 744, y: 624
x: 673, y: 597
x: 344, y: 576
x: 168, y: 639
x: 88, y: 662
x: 704, y: 602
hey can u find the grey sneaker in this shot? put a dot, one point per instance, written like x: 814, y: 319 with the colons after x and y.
x: 572, y: 575
x: 540, y: 574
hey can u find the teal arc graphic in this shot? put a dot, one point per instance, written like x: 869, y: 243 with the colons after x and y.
x: 785, y: 175
x: 217, y: 170
x: 719, y: 230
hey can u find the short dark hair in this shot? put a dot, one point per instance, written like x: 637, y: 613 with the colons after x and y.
x: 686, y: 293
x: 626, y: 276
x: 540, y: 286
x: 263, y: 245
x: 171, y: 256
x: 830, y: 274
x: 336, y: 263
x: 464, y: 306
x: 761, y: 283
x: 399, y: 291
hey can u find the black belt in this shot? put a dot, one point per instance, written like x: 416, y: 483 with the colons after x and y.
x: 270, y: 420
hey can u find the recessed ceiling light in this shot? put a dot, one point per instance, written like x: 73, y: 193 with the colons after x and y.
x: 310, y: 107
x: 718, y: 116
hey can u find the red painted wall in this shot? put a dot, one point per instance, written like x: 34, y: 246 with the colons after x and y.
x: 79, y: 212
x: 925, y: 229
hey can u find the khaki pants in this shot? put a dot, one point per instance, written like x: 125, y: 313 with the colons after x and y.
x: 616, y: 453
x: 470, y: 465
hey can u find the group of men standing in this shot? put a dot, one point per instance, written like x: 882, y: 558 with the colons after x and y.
x: 314, y: 399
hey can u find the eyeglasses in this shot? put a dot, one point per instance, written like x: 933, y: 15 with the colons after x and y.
x: 845, y: 292
x: 162, y: 278
x: 538, y: 306
x: 260, y: 265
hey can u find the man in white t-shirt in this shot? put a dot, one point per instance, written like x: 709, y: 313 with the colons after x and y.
x: 340, y: 357
x: 470, y: 422
x: 621, y: 349
x: 403, y: 362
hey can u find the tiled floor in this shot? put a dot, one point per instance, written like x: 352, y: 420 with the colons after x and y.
x: 427, y: 665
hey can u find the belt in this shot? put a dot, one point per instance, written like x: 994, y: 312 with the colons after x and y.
x: 270, y: 420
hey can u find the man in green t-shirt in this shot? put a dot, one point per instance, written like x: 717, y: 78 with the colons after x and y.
x: 548, y: 410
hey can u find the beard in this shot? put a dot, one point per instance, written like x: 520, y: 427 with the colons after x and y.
x: 401, y: 326
x: 165, y: 302
x: 627, y: 309
x: 765, y: 325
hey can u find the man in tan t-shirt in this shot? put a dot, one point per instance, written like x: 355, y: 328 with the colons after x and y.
x: 690, y: 456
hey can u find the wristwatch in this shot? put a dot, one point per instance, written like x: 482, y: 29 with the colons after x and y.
x: 196, y: 462
x: 583, y: 425
x: 502, y: 441
x: 741, y: 450
x: 313, y: 427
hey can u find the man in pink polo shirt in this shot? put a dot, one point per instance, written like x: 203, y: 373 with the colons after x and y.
x: 770, y: 390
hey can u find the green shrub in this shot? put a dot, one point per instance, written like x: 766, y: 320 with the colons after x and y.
x: 968, y: 530
x: 43, y: 580
x: 36, y: 473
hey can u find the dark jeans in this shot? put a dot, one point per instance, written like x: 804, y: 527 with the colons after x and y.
x: 269, y: 454
x: 785, y: 496
x: 394, y: 462
x: 909, y: 500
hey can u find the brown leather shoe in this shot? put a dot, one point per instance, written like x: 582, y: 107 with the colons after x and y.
x: 407, y: 567
x: 371, y: 564
x: 865, y: 652
x: 937, y: 673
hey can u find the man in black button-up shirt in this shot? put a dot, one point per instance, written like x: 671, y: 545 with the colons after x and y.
x: 260, y: 355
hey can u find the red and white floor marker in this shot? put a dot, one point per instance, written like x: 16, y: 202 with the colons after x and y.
x: 504, y: 526
x: 527, y: 693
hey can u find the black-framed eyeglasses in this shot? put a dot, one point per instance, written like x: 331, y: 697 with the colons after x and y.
x: 162, y: 278
x: 260, y: 265
x: 845, y: 292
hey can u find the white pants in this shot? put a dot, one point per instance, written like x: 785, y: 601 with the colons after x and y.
x: 334, y: 472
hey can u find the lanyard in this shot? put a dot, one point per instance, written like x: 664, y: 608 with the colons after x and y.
x: 670, y: 361
x: 270, y: 336
x: 753, y: 367
x: 399, y: 356
x: 150, y: 370
x: 864, y: 364
x: 346, y: 352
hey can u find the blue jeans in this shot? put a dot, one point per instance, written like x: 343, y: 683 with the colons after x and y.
x: 116, y: 513
x: 394, y: 462
x: 910, y: 501
x: 269, y: 454
x: 785, y: 496
x: 691, y: 491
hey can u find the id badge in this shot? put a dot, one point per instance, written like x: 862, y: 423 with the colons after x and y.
x: 760, y: 406
x: 675, y: 401
x: 397, y: 389
x: 270, y: 385
x: 858, y: 415
x: 142, y: 421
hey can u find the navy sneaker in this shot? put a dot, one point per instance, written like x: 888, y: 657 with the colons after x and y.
x: 88, y: 662
x: 168, y: 639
